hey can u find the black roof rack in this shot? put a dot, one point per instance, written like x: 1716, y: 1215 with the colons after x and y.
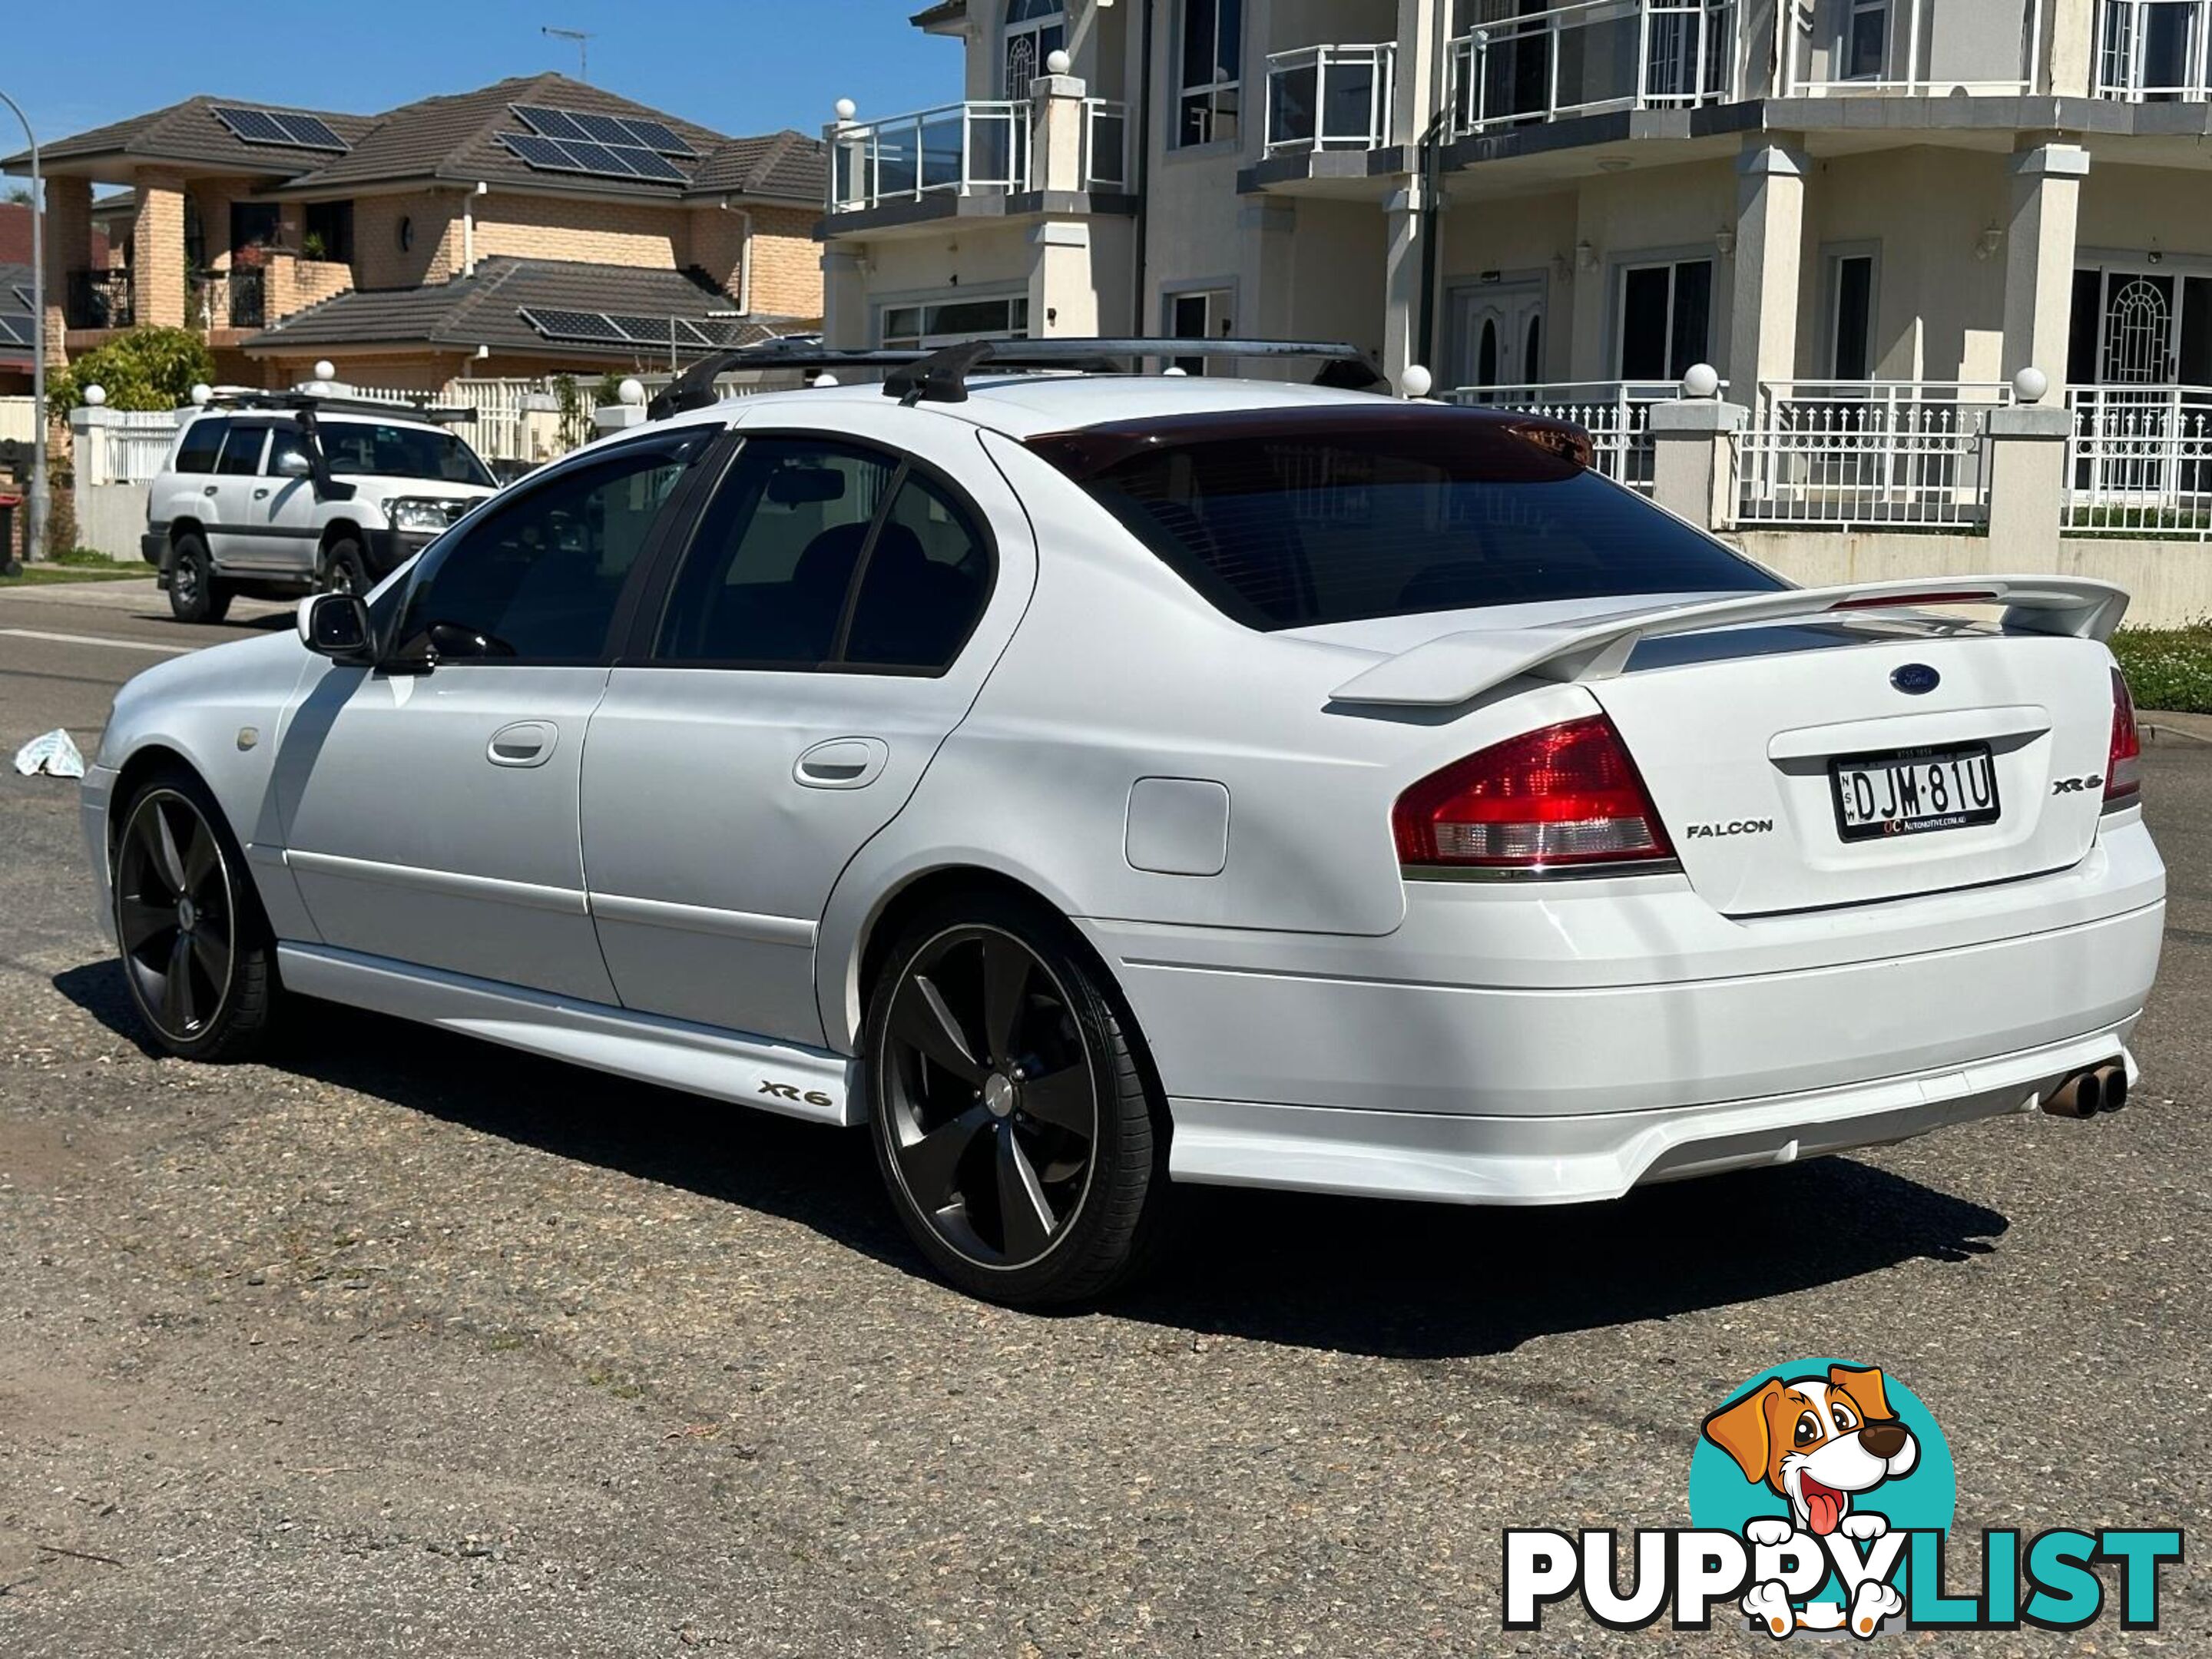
x: 251, y: 397
x: 941, y: 375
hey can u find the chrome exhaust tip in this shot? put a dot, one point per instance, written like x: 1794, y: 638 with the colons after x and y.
x: 2112, y: 1086
x: 2080, y: 1096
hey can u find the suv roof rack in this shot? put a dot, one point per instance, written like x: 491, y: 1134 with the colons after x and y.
x: 252, y: 397
x: 941, y: 375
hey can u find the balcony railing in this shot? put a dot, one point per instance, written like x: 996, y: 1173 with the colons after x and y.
x: 99, y: 299
x: 230, y: 299
x: 1864, y: 454
x: 1330, y: 97
x: 1590, y: 57
x: 1106, y: 160
x: 2139, y: 462
x: 1617, y: 414
x: 1913, y: 48
x: 980, y: 148
x: 2154, y: 50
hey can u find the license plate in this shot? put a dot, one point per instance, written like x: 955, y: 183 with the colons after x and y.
x: 1914, y: 791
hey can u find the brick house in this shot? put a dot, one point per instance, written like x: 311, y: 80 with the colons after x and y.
x: 535, y: 225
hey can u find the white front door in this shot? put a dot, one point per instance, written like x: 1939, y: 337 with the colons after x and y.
x: 1497, y: 335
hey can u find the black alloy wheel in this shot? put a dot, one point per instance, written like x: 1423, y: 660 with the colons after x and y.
x: 990, y: 1096
x: 176, y: 915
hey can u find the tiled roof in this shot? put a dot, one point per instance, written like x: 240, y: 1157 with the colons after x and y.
x: 189, y: 132
x: 484, y: 309
x: 455, y: 139
x: 782, y: 164
x: 938, y: 16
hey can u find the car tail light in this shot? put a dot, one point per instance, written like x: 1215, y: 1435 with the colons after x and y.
x: 1566, y: 796
x: 2124, y: 764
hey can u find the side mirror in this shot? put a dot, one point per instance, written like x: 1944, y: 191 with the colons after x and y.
x: 335, y: 625
x: 292, y: 463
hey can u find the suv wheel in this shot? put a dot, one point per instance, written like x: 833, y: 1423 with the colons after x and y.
x: 344, y: 570
x: 1020, y: 1142
x: 195, y: 595
x: 196, y: 951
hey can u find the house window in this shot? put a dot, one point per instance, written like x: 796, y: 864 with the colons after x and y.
x: 1866, y: 39
x: 1035, y: 30
x: 932, y: 323
x: 2140, y: 327
x: 253, y: 224
x: 1666, y: 319
x: 1211, y: 51
x: 1851, y: 322
x: 1199, y: 315
x: 328, y: 226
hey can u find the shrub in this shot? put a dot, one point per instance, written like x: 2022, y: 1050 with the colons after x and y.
x: 2169, y: 668
x: 146, y: 369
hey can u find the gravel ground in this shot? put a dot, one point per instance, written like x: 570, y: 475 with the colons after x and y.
x: 398, y: 1344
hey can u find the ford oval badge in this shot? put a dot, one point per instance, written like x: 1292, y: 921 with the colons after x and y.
x: 1916, y: 680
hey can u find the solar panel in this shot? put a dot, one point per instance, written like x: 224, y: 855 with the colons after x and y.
x: 605, y: 128
x: 289, y: 128
x: 547, y: 153
x: 658, y: 135
x: 553, y: 123
x: 585, y: 325
x: 309, y: 131
x: 648, y: 165
x: 597, y: 158
x: 256, y: 126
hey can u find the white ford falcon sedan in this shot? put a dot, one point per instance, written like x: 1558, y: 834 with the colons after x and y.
x: 1093, y: 782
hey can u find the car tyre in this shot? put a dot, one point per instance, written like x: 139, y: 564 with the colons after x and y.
x: 344, y: 570
x: 195, y: 594
x: 1016, y: 1123
x: 197, y: 954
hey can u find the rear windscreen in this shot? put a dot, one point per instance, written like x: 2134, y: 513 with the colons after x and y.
x: 1295, y: 518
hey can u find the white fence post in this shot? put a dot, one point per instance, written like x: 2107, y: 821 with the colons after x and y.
x: 1693, y: 452
x: 2027, y: 476
x: 88, y: 434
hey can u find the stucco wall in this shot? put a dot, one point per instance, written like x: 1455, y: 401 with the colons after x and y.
x: 2171, y: 582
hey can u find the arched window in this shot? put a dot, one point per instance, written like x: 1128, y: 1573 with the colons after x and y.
x: 1035, y: 30
x: 2138, y: 333
x: 1532, y: 355
x: 1485, y: 354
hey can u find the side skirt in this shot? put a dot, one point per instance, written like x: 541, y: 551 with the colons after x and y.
x: 748, y: 1071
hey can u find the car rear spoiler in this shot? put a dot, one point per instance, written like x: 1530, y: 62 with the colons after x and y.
x: 1457, y: 667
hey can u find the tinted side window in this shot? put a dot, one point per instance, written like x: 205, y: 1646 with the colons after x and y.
x: 927, y: 577
x: 536, y: 578
x: 282, y: 440
x: 201, y: 444
x: 766, y: 577
x: 241, y: 451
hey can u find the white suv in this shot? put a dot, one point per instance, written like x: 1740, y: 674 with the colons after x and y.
x: 276, y: 494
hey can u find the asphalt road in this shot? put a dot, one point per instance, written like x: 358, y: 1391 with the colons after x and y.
x: 400, y: 1345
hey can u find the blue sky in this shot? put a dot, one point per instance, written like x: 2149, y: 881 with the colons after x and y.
x: 736, y: 65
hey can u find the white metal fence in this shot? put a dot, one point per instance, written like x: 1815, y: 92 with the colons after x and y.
x: 1617, y: 414
x: 18, y: 421
x: 981, y: 147
x: 2139, y: 462
x: 138, y: 444
x: 1866, y: 454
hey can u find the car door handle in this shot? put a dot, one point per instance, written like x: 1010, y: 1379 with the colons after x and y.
x: 261, y: 495
x: 525, y: 743
x: 843, y: 763
x: 208, y: 490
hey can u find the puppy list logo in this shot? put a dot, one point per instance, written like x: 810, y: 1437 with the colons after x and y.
x: 1821, y: 1494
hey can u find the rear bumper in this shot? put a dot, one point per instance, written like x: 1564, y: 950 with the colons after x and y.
x: 154, y: 548
x: 1528, y: 1047
x: 1571, y: 1160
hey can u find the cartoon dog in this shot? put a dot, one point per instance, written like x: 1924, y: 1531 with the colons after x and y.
x: 1818, y: 1442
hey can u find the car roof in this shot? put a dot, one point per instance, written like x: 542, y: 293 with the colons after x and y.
x: 1024, y: 405
x: 327, y: 417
